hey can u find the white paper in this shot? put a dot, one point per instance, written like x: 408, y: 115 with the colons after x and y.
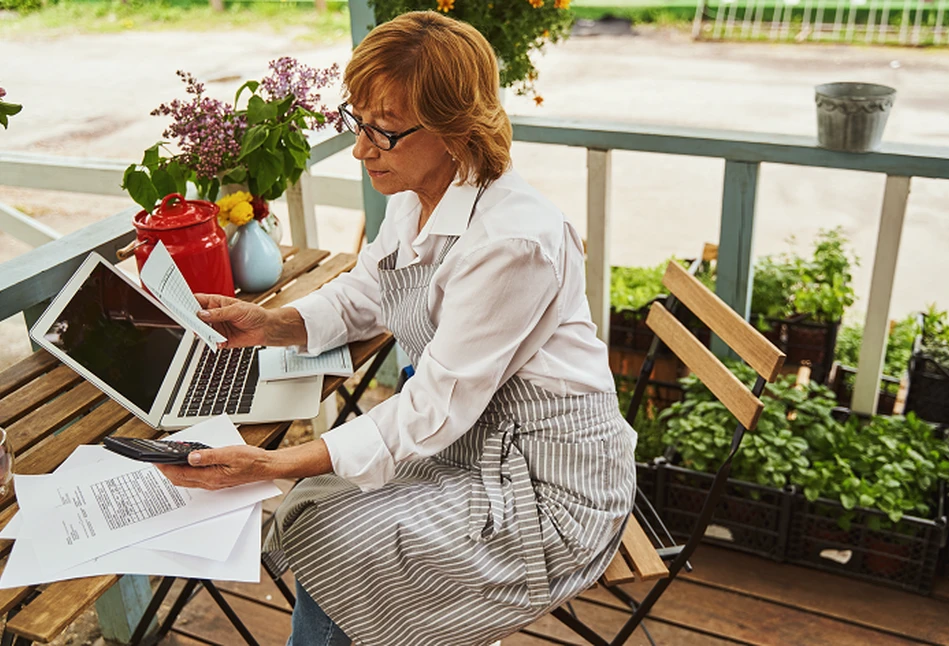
x: 92, y: 510
x: 213, y: 539
x: 166, y: 282
x: 243, y: 564
x: 289, y: 363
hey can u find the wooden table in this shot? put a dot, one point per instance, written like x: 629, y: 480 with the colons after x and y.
x: 49, y: 410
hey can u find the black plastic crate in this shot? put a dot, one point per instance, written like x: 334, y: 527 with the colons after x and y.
x: 904, y: 557
x: 749, y: 517
x: 841, y: 382
x: 928, y: 393
x: 805, y: 343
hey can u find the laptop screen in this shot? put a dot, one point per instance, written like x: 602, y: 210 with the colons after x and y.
x: 118, y: 335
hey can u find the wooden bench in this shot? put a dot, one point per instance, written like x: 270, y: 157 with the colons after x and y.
x: 48, y: 410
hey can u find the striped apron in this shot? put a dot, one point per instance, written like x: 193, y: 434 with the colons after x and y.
x: 520, y: 514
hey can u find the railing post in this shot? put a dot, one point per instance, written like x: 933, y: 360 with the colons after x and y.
x: 866, y: 388
x: 735, y: 272
x: 297, y: 214
x: 599, y: 164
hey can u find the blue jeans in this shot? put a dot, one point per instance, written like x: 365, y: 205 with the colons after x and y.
x: 311, y: 626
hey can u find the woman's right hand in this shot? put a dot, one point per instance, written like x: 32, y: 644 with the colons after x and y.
x: 244, y: 324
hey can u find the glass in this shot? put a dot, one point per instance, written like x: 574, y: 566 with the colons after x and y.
x: 382, y: 139
x: 6, y: 462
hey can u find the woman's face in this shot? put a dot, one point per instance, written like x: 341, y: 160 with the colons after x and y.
x: 419, y: 162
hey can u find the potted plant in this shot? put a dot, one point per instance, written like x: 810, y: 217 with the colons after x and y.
x: 798, y: 302
x: 261, y: 146
x: 7, y: 109
x: 755, y: 509
x: 928, y: 393
x: 899, y: 349
x: 881, y: 482
x: 515, y: 28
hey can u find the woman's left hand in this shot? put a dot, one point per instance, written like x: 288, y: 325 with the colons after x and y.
x: 228, y: 466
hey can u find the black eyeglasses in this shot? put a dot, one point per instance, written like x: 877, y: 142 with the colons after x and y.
x: 377, y: 136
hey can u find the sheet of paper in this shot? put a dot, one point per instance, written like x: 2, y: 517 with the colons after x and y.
x: 92, y: 510
x: 213, y: 539
x: 289, y: 363
x: 166, y: 282
x: 243, y: 564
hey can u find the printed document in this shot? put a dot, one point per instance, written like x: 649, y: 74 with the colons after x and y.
x: 211, y: 539
x: 166, y: 282
x: 242, y: 563
x: 73, y: 516
x: 290, y: 363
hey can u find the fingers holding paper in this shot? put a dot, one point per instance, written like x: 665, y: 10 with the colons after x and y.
x: 228, y: 466
x: 248, y: 324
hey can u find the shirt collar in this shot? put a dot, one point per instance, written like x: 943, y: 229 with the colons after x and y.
x: 451, y: 216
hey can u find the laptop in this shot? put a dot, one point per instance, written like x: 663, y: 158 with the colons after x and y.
x: 120, y: 338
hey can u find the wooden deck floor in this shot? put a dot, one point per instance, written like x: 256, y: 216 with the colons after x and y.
x: 730, y: 598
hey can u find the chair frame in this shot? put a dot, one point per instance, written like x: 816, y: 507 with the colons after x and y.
x: 767, y: 364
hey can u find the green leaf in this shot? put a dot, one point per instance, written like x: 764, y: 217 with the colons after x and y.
x: 267, y: 168
x: 259, y: 111
x: 139, y: 186
x: 253, y: 139
x: 235, y: 176
x: 163, y: 182
x: 152, y: 157
x: 849, y: 501
x: 249, y: 85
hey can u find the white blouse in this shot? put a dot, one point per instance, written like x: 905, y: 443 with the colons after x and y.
x: 508, y: 299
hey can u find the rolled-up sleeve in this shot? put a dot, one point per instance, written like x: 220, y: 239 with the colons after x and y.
x: 494, y: 300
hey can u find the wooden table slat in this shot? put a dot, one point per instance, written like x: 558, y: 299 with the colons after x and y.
x: 338, y: 264
x: 44, y: 618
x: 35, y: 393
x: 361, y: 351
x: 50, y: 417
x: 37, y: 411
x: 25, y: 371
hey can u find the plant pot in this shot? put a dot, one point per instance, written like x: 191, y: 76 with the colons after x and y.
x: 851, y: 116
x: 928, y: 392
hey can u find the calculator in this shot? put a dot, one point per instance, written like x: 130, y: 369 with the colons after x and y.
x: 160, y: 451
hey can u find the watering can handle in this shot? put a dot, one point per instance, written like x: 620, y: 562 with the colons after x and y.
x: 129, y: 249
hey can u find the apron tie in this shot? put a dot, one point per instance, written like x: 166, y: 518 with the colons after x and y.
x: 488, y: 504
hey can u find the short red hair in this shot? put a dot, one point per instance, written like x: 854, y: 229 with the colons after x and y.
x: 449, y: 75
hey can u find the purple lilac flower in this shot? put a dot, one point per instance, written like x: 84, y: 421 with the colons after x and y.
x: 3, y: 93
x: 206, y: 130
x: 290, y: 77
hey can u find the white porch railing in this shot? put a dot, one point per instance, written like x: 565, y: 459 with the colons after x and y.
x: 28, y: 281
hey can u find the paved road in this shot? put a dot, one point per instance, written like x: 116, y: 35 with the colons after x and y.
x: 91, y: 95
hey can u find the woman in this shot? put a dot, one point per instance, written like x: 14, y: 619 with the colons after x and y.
x: 495, y: 486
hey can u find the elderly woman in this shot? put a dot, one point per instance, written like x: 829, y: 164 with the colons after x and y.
x: 494, y: 487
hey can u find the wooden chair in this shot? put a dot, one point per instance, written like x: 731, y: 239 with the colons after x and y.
x: 651, y: 554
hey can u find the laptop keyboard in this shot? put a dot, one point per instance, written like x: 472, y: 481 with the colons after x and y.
x: 224, y: 382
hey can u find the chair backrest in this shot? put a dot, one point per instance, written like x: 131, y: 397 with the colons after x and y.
x: 732, y: 329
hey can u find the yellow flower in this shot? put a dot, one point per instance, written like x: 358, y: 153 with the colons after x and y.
x: 537, y: 4
x: 229, y: 201
x: 242, y: 213
x: 561, y: 4
x: 539, y: 100
x: 546, y: 34
x: 446, y: 5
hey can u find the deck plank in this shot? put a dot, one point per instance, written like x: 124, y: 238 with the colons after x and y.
x: 202, y: 619
x: 736, y: 617
x: 872, y: 606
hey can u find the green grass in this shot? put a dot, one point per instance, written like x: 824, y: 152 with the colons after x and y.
x: 112, y: 16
